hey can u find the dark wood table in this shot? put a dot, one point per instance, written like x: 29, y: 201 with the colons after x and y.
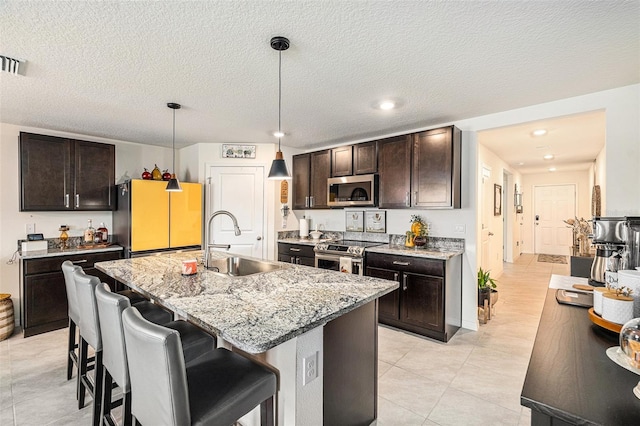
x: 570, y: 379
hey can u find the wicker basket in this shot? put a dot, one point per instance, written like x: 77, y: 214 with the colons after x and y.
x: 6, y: 316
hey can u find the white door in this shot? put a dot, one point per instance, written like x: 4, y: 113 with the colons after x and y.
x: 486, y: 234
x: 240, y: 191
x: 552, y: 205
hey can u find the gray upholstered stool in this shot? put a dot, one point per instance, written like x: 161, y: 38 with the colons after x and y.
x: 215, y: 389
x: 110, y: 308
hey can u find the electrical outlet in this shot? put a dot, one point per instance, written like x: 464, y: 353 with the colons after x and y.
x: 459, y: 228
x: 30, y: 228
x: 309, y: 368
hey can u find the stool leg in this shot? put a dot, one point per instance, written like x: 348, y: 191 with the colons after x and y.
x: 71, y: 347
x: 107, y: 386
x: 266, y: 412
x: 126, y: 409
x: 82, y: 371
x: 97, y: 389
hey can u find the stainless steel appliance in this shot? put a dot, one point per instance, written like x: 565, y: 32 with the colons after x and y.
x: 359, y: 190
x: 609, y: 239
x: 345, y: 255
x: 631, y: 234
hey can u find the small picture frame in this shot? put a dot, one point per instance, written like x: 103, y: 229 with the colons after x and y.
x: 238, y: 151
x: 375, y: 221
x: 354, y: 221
x: 497, y: 199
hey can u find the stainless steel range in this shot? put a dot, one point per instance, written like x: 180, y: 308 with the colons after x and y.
x: 344, y: 256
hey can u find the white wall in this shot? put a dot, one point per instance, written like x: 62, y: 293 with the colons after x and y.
x: 530, y: 181
x: 131, y: 159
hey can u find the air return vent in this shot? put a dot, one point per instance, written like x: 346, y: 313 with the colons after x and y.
x: 12, y: 65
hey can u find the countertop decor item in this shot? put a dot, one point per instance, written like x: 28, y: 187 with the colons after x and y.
x: 155, y: 173
x: 375, y: 221
x: 63, y: 236
x: 146, y: 175
x: 315, y: 234
x: 174, y: 185
x: 354, y: 221
x: 6, y: 316
x: 279, y: 169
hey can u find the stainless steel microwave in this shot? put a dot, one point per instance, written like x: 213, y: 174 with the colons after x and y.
x: 348, y: 191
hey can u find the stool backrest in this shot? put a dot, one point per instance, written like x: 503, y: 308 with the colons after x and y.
x: 114, y: 356
x: 157, y: 371
x: 68, y: 269
x: 89, y: 324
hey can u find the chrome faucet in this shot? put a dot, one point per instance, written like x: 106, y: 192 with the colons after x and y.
x: 207, y: 245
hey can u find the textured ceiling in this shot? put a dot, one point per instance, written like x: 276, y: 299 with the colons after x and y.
x: 108, y: 68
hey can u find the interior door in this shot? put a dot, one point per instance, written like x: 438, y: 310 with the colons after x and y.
x: 240, y: 191
x: 486, y: 200
x: 552, y: 205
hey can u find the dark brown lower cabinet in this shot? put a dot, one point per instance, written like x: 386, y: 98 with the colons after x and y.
x: 429, y: 299
x: 44, y: 297
x: 300, y: 254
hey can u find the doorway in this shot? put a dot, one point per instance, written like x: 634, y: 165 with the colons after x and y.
x: 239, y: 190
x: 552, y: 205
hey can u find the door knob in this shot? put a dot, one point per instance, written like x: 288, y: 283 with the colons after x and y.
x: 491, y: 234
x: 258, y: 238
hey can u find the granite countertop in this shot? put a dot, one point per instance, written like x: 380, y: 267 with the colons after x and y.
x: 256, y: 312
x: 304, y: 241
x: 66, y: 252
x: 428, y: 252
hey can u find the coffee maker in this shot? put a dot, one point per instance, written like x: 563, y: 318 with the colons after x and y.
x: 631, y: 235
x: 609, y: 239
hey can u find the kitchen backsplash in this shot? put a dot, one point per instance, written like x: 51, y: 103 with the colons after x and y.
x: 54, y: 243
x: 393, y: 239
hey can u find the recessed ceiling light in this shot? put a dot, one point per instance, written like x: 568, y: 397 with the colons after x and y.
x: 387, y: 105
x: 278, y: 134
x: 552, y: 169
x: 539, y: 132
x: 521, y: 164
x: 548, y: 157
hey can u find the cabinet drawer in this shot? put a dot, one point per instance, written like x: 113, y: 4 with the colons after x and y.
x: 54, y: 264
x: 417, y: 265
x: 296, y: 250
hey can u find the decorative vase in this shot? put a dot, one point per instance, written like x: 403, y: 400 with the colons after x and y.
x: 409, y: 240
x: 420, y: 240
x: 156, y: 174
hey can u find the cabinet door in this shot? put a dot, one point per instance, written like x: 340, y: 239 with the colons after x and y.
x: 394, y: 161
x: 94, y: 176
x: 45, y: 299
x: 342, y: 164
x: 320, y: 172
x: 301, y: 179
x: 149, y: 215
x: 365, y: 158
x: 45, y: 173
x: 185, y: 216
x: 388, y: 305
x: 422, y: 302
x: 435, y: 180
x: 306, y: 261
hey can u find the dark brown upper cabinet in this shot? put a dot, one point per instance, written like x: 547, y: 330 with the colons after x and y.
x: 342, y: 161
x: 310, y: 174
x: 420, y: 170
x: 435, y: 172
x: 394, y: 160
x: 365, y: 158
x: 65, y: 174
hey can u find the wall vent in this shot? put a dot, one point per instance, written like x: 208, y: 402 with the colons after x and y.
x: 12, y: 65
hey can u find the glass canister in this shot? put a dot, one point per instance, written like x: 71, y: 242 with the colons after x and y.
x: 630, y: 341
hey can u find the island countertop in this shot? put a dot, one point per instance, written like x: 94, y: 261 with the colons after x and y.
x: 255, y: 312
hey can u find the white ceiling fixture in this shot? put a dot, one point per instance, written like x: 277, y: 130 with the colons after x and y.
x: 548, y: 157
x: 552, y: 169
x: 539, y: 132
x: 387, y: 105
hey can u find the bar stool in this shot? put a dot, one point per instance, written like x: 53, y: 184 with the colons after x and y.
x: 215, y: 389
x: 68, y: 268
x: 110, y: 307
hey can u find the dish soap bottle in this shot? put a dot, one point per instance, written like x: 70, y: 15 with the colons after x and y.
x: 89, y: 233
x: 104, y: 233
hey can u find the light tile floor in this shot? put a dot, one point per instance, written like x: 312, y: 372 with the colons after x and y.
x: 475, y: 379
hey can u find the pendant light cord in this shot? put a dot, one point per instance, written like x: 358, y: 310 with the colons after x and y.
x: 279, y: 96
x: 174, y: 141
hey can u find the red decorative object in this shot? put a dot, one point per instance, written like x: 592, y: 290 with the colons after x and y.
x: 146, y: 174
x: 166, y: 175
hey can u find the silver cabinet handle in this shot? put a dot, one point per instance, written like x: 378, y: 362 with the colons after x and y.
x: 258, y: 238
x: 395, y: 276
x: 293, y: 259
x: 294, y: 249
x: 311, y: 201
x: 404, y: 283
x: 306, y: 201
x: 415, y: 198
x: 407, y: 201
x: 75, y: 262
x: 297, y: 260
x: 66, y: 200
x: 397, y: 262
x: 77, y: 200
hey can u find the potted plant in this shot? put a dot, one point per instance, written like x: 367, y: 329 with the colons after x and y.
x: 486, y: 288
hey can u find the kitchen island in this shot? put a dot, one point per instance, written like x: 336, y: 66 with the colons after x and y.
x: 295, y: 319
x: 570, y: 379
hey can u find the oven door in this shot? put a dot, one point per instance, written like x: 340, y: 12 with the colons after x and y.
x: 333, y: 263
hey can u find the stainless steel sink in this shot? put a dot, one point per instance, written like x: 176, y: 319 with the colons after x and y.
x: 241, y: 266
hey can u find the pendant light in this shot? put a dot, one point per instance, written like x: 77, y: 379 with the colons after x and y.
x: 279, y: 167
x: 173, y: 185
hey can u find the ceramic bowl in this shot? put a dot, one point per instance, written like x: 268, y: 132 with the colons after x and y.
x: 315, y: 234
